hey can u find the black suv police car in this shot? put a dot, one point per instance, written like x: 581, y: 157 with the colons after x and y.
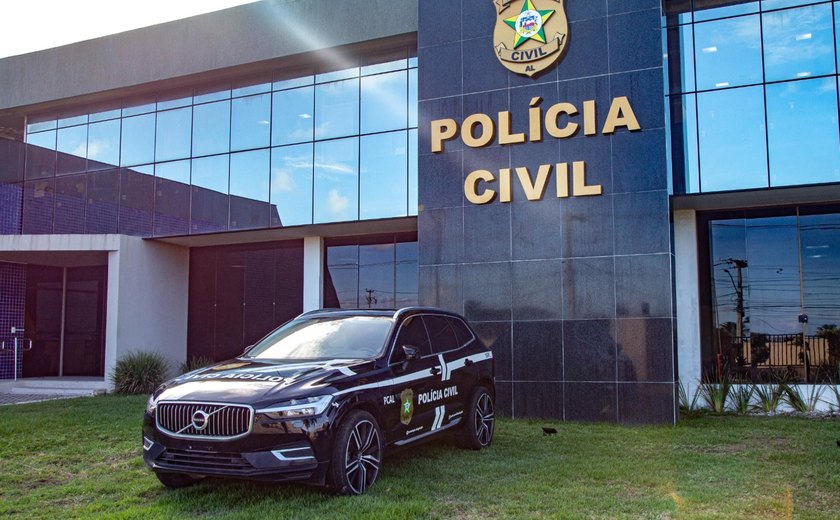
x: 322, y: 398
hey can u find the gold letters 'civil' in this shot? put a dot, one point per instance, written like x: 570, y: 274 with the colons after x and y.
x: 530, y: 35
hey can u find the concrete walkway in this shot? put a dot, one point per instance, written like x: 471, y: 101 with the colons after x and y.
x: 9, y: 398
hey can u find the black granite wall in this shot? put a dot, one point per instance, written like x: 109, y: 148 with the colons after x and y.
x: 574, y: 295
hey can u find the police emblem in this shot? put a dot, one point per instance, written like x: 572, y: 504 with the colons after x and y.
x: 530, y: 35
x: 406, y: 406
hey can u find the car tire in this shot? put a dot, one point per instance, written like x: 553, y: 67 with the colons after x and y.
x: 357, y: 454
x: 480, y: 421
x: 175, y: 480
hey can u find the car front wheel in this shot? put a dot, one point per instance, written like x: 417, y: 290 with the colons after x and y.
x: 357, y: 454
x: 480, y: 422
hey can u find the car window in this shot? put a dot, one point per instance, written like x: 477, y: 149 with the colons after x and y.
x: 442, y: 336
x: 412, y: 333
x: 356, y: 337
x: 462, y: 332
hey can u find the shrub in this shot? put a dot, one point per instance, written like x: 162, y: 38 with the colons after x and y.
x: 688, y: 405
x: 715, y: 394
x: 194, y: 363
x: 741, y: 398
x: 768, y: 398
x: 139, y: 373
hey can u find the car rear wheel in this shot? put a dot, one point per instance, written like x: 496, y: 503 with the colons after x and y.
x: 357, y: 454
x: 480, y: 422
x: 175, y: 480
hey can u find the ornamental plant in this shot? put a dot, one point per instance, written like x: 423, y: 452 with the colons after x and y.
x: 139, y: 373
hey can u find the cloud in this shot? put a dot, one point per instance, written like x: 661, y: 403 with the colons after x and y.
x: 337, y: 204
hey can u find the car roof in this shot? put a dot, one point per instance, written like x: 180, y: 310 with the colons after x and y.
x: 390, y: 313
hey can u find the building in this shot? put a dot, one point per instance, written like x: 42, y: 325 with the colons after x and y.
x: 618, y: 194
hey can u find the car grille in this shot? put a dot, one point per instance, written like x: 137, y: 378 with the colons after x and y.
x: 202, y: 460
x: 223, y: 421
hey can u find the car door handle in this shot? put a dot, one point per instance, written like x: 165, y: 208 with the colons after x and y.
x: 435, y: 371
x: 468, y: 362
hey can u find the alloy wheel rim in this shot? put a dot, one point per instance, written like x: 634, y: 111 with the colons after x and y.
x: 484, y: 420
x: 362, y: 457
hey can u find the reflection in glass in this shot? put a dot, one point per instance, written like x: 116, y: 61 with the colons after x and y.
x: 211, y: 173
x: 337, y: 75
x: 173, y: 134
x: 820, y: 236
x: 767, y: 5
x: 138, y: 140
x: 412, y: 98
x: 291, y: 184
x: 386, y: 66
x: 293, y: 112
x: 70, y: 195
x: 802, y: 132
x: 376, y: 276
x: 680, y: 58
x: 40, y: 126
x: 104, y: 116
x: 336, y: 180
x: 412, y: 172
x: 732, y: 146
x: 40, y: 156
x: 103, y: 201
x: 72, y: 148
x: 251, y: 89
x: 684, y: 142
x: 177, y: 171
x: 383, y: 176
x: 211, y: 128
x: 728, y: 52
x: 384, y: 102
x: 250, y: 122
x: 215, y: 95
x: 138, y: 109
x: 337, y: 109
x: 342, y: 277
x: 249, y: 175
x: 798, y: 43
x: 103, y: 145
x: 407, y: 277
x: 72, y: 121
x: 301, y: 81
x: 710, y: 9
x: 174, y: 103
x: 172, y: 207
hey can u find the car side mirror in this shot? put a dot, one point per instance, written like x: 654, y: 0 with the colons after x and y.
x: 410, y: 353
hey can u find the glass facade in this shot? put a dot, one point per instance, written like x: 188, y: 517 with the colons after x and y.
x: 753, y: 93
x: 371, y: 273
x: 775, y: 292
x: 316, y: 147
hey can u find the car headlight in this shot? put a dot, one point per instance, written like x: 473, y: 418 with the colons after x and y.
x: 296, y: 408
x: 151, y: 404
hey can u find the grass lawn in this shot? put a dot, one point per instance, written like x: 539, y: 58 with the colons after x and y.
x: 82, y: 458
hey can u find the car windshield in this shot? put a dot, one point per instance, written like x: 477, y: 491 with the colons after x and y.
x: 345, y: 337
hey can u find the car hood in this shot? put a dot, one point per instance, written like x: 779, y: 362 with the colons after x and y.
x: 261, y: 382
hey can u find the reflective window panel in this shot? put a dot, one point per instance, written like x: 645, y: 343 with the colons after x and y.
x: 384, y: 102
x: 680, y: 58
x: 767, y: 5
x: 250, y: 122
x: 376, y: 276
x: 211, y: 128
x: 72, y: 149
x: 293, y: 116
x: 211, y: 173
x: 711, y: 9
x: 138, y: 140
x: 412, y: 98
x: 249, y: 175
x: 337, y: 109
x: 407, y: 276
x: 174, y: 134
x: 684, y: 153
x: 176, y: 171
x: 383, y: 175
x: 728, y: 52
x: 732, y: 139
x: 291, y: 184
x: 798, y: 43
x: 336, y: 180
x: 412, y: 172
x: 40, y: 155
x: 820, y: 237
x: 803, y: 132
x: 103, y: 144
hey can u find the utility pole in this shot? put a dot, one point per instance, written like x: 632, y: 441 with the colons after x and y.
x: 371, y: 299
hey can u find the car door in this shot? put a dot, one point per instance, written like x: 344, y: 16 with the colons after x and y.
x: 448, y: 392
x: 407, y: 412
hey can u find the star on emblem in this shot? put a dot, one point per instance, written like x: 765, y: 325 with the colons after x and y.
x: 528, y: 24
x: 407, y: 406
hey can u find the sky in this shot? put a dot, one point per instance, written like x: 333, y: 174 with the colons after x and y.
x: 33, y: 25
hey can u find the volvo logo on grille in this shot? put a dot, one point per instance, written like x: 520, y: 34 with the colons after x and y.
x: 200, y: 420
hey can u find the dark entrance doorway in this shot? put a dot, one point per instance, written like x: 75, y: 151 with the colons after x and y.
x: 65, y: 318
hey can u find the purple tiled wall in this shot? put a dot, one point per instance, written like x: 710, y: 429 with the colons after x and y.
x: 12, y: 300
